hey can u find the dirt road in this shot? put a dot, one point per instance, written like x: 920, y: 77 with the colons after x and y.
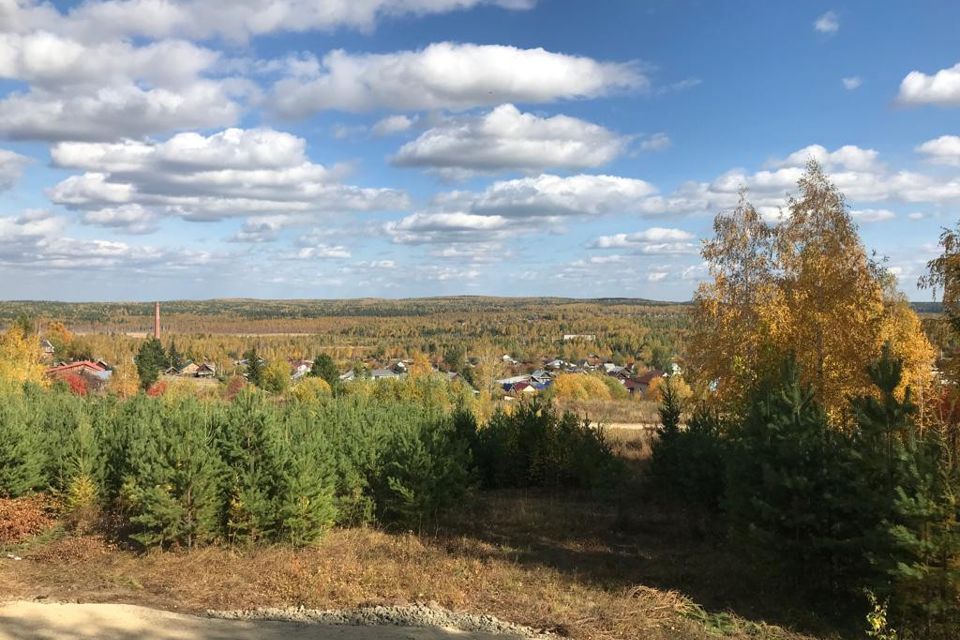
x: 70, y: 621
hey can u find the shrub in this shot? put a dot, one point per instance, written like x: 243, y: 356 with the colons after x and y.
x: 688, y: 463
x: 310, y: 389
x: 76, y: 384
x: 616, y: 389
x: 276, y: 377
x: 535, y: 447
x: 580, y: 386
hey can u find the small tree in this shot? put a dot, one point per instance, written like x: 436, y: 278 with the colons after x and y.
x: 250, y: 446
x: 25, y: 323
x: 174, y: 488
x: 82, y: 495
x: 20, y: 358
x: 325, y: 368
x: 254, y: 366
x: 174, y: 357
x: 21, y: 451
x: 151, y: 360
x: 276, y: 377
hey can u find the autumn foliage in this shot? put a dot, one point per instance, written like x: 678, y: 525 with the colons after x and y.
x: 805, y: 287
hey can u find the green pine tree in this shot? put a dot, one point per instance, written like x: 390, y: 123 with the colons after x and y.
x: 174, y: 490
x: 151, y: 359
x: 305, y: 500
x: 791, y: 484
x: 913, y: 480
x: 21, y: 449
x: 324, y: 367
x: 255, y: 366
x: 174, y: 357
x: 425, y: 470
x: 249, y: 442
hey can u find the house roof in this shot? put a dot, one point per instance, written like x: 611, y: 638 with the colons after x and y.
x: 649, y: 376
x: 72, y: 366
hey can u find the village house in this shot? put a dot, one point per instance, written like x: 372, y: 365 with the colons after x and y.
x: 300, y: 368
x: 194, y: 370
x: 645, y: 379
x: 48, y: 350
x: 94, y: 375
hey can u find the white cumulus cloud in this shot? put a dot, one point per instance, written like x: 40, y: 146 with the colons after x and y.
x: 942, y: 150
x: 392, y: 125
x: 872, y: 215
x: 941, y: 88
x: 237, y: 21
x: 232, y: 173
x: 506, y: 138
x: 656, y: 240
x: 448, y: 75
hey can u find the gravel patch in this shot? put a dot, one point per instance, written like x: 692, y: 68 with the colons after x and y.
x: 414, y: 615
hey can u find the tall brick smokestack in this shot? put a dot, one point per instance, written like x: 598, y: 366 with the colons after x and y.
x: 156, y: 321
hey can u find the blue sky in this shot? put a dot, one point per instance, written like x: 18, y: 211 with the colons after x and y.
x: 345, y: 148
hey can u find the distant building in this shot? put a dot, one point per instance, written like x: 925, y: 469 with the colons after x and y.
x: 189, y: 370
x: 645, y: 379
x: 92, y: 373
x: 206, y: 370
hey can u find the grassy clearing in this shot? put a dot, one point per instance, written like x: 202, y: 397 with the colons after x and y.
x: 631, y: 411
x: 584, y: 567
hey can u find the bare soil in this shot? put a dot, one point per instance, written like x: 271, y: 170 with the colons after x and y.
x: 73, y: 621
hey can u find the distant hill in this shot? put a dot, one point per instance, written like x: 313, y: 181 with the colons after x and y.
x: 927, y: 307
x: 256, y: 308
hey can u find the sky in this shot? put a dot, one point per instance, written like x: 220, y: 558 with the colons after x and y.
x: 171, y: 149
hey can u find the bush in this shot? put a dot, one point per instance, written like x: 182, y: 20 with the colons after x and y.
x: 535, y: 447
x: 310, y: 389
x: 581, y: 386
x: 276, y: 377
x: 689, y: 463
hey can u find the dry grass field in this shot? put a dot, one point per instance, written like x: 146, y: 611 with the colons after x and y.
x: 584, y: 566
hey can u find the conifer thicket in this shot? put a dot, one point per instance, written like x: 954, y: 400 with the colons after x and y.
x: 178, y: 471
x: 838, y: 512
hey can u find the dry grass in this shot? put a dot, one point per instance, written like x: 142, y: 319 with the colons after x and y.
x: 628, y: 411
x: 548, y: 561
x: 633, y: 445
